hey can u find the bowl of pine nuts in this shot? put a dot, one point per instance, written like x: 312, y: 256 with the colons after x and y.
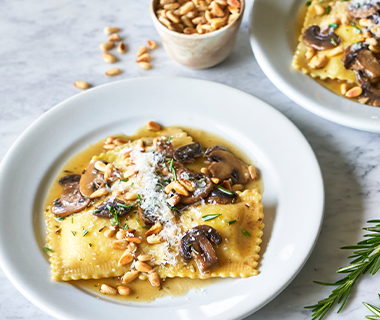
x: 197, y: 33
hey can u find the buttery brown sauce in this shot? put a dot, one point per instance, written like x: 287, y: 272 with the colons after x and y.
x: 142, y: 290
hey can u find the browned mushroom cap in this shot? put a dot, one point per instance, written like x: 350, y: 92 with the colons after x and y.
x: 320, y: 40
x: 110, y: 206
x: 226, y: 166
x: 196, y: 244
x: 203, y: 186
x: 187, y: 153
x: 165, y: 148
x: 91, y: 180
x: 221, y: 195
x: 144, y: 217
x: 71, y: 201
x: 216, y: 147
x: 363, y: 10
x: 70, y: 178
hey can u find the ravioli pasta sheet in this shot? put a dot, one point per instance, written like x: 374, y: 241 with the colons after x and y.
x: 80, y: 249
x: 347, y: 33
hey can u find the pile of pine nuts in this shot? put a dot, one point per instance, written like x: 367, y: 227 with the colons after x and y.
x: 197, y: 16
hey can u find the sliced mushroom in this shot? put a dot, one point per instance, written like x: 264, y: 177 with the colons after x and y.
x: 114, y: 205
x: 196, y: 243
x: 226, y: 166
x: 165, y: 148
x: 148, y: 221
x: 372, y: 93
x: 362, y: 11
x: 221, y: 195
x: 203, y: 186
x: 320, y: 40
x: 71, y: 200
x: 188, y: 153
x: 91, y: 180
x: 71, y: 178
x: 216, y: 147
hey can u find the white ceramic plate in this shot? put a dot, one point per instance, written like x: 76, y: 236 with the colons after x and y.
x: 293, y: 197
x: 273, y: 45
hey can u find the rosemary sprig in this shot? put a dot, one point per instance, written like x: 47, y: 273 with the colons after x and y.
x: 374, y: 310
x: 366, y: 257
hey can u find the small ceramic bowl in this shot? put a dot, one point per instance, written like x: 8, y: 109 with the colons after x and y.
x: 198, y: 51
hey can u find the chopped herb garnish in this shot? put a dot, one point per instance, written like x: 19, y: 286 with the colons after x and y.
x: 308, y: 3
x: 189, y: 244
x: 209, y: 217
x: 90, y: 245
x: 358, y: 5
x: 231, y: 222
x: 224, y: 190
x: 328, y: 9
x: 72, y: 219
x: 195, y: 251
x: 132, y: 184
x: 124, y: 205
x: 96, y: 211
x: 138, y: 221
x: 140, y: 199
x: 246, y: 233
x: 358, y: 29
x: 125, y: 180
x: 169, y: 139
x: 60, y: 219
x: 333, y: 42
x: 84, y: 232
x: 333, y: 26
x: 125, y: 226
x: 321, y: 2
x: 353, y: 24
x: 145, y: 227
x: 48, y: 249
x: 174, y: 209
x: 73, y: 232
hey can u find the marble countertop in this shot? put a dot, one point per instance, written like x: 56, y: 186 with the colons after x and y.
x: 47, y: 45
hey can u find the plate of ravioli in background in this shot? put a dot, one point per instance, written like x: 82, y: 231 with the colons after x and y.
x: 292, y: 187
x: 274, y: 45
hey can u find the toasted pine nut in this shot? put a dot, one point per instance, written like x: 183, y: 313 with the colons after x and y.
x: 154, y: 229
x: 121, y: 48
x: 318, y: 62
x: 226, y: 185
x: 145, y: 65
x: 100, y: 165
x: 215, y: 180
x: 109, y: 146
x: 189, y: 30
x: 142, y: 266
x: 114, y: 37
x: 110, y: 232
x: 233, y: 17
x: 154, y: 279
x: 144, y: 257
x: 192, y: 14
x: 237, y: 187
x: 107, y: 46
x: 119, y: 141
x: 336, y: 51
x: 310, y: 53
x: 153, y: 239
x: 174, y: 200
x: 109, y: 58
x: 221, y: 2
x: 163, y: 2
x: 152, y: 44
x: 98, y: 193
x: 371, y: 41
x: 253, y: 172
x: 217, y: 22
x: 319, y: 10
x: 121, y: 234
x: 105, y: 288
x: 233, y: 10
x: 130, y: 276
x: 133, y: 239
x: 208, y: 16
x: 345, y: 20
x: 143, y: 276
x: 354, y: 92
x: 119, y: 244
x: 343, y: 88
x: 123, y: 290
x: 113, y: 72
x: 217, y: 10
x: 125, y: 258
x: 143, y: 58
x: 81, y: 84
x: 205, y: 171
x: 363, y: 100
x: 108, y: 172
x: 109, y: 30
x: 375, y: 29
x: 199, y: 20
x: 366, y: 22
x: 171, y: 6
x: 374, y: 48
x: 233, y: 3
x: 154, y: 126
x: 141, y: 51
x: 336, y: 20
x: 187, y: 7
x: 172, y: 17
x: 187, y: 22
x: 110, y: 140
x: 132, y: 247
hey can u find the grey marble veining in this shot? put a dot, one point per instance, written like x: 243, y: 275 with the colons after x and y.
x: 47, y: 45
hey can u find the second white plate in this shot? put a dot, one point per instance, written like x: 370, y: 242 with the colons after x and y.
x: 293, y: 196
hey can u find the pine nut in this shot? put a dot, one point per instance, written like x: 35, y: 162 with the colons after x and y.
x: 189, y: 30
x: 253, y: 172
x: 120, y: 142
x: 114, y: 37
x: 374, y: 48
x: 216, y: 23
x: 144, y: 257
x: 130, y: 276
x: 354, y: 92
x: 319, y: 10
x: 110, y: 140
x: 152, y: 44
x: 310, y: 53
x: 100, y: 165
x: 81, y: 84
x: 226, y: 185
x: 154, y: 230
x: 215, y: 180
x: 233, y: 3
x: 233, y: 10
x: 143, y: 277
x: 144, y: 58
x: 208, y: 16
x: 145, y: 65
x: 336, y: 51
x: 132, y: 247
x: 121, y: 234
x: 187, y: 7
x: 187, y: 22
x: 105, y: 288
x: 154, y: 279
x: 107, y: 46
x: 108, y: 172
x: 217, y: 10
x: 109, y: 58
x: 133, y: 239
x: 318, y: 62
x: 345, y: 20
x: 109, y: 146
x: 125, y: 258
x: 154, y: 126
x: 202, y: 8
x: 233, y: 17
x: 123, y: 290
x: 113, y: 72
x: 121, y: 48
x: 153, y: 239
x: 336, y: 20
x: 371, y: 41
x: 172, y: 17
x: 343, y: 88
x: 366, y: 35
x: 363, y: 100
x: 205, y: 171
x: 110, y: 232
x: 142, y: 266
x: 187, y: 184
x: 163, y: 2
x: 171, y: 6
x: 98, y: 193
x: 237, y: 187
x: 174, y: 200
x: 221, y: 2
x: 109, y: 30
x: 375, y: 29
x: 366, y: 22
x: 192, y: 14
x: 119, y: 244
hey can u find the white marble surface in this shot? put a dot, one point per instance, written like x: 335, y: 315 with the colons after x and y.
x: 46, y: 45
